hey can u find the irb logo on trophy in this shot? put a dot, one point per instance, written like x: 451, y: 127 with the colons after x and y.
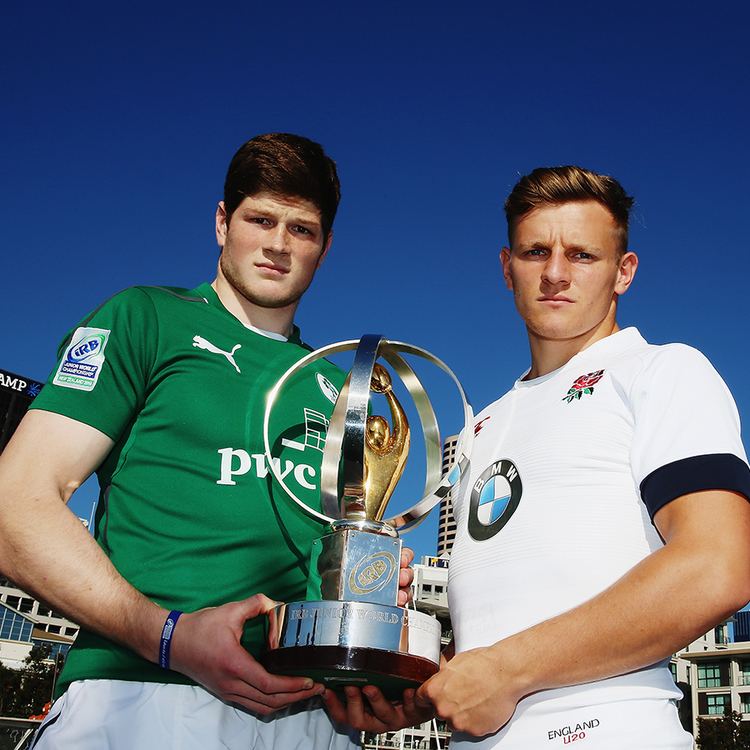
x: 350, y: 629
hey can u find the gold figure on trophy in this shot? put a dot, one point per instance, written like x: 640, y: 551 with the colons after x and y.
x: 386, y: 449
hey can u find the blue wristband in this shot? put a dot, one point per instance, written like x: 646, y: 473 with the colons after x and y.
x: 166, y: 637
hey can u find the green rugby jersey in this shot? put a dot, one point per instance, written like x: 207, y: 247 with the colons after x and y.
x: 188, y: 512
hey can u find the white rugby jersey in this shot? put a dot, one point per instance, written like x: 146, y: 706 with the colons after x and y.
x: 567, y: 471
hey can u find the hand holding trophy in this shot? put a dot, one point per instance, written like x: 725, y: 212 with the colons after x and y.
x: 350, y: 630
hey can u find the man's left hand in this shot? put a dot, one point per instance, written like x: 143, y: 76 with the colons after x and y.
x: 473, y: 692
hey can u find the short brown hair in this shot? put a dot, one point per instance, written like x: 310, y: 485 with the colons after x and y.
x: 549, y: 186
x: 284, y: 164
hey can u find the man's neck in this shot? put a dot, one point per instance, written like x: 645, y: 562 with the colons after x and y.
x: 548, y: 355
x: 274, y: 319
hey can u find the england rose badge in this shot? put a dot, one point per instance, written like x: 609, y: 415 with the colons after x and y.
x: 583, y: 384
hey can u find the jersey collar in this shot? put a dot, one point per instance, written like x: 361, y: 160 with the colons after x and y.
x: 208, y: 293
x: 624, y: 339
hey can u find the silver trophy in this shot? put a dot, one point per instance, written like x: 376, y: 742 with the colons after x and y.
x: 350, y: 629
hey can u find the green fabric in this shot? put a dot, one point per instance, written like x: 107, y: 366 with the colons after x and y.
x: 188, y: 512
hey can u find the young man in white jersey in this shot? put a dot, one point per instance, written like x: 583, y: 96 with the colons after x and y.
x: 605, y: 523
x: 154, y: 385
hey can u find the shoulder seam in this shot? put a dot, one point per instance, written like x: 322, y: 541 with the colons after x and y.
x: 185, y: 297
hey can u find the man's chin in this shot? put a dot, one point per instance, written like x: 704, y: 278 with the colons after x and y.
x: 271, y: 302
x: 553, y: 331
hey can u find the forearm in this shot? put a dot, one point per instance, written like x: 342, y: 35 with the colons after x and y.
x: 48, y: 553
x: 643, y: 618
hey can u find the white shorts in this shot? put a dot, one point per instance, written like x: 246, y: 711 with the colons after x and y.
x: 620, y: 725
x: 120, y: 715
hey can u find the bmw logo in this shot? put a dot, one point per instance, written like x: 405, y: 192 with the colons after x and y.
x: 494, y: 499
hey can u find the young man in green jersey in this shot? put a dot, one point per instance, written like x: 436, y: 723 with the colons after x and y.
x: 161, y: 391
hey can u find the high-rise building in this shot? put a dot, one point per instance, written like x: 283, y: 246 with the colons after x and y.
x: 447, y: 523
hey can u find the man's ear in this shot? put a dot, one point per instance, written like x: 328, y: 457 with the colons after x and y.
x: 627, y: 267
x: 505, y: 262
x: 326, y: 248
x: 221, y: 224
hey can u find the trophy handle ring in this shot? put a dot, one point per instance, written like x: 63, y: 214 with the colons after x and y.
x: 348, y: 421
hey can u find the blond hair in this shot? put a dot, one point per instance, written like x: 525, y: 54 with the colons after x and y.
x: 550, y: 186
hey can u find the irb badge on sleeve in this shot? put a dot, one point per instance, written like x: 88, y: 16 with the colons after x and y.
x: 83, y: 359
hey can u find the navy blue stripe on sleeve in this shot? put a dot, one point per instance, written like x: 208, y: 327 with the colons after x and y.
x: 714, y: 471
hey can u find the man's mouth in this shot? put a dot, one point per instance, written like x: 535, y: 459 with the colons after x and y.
x: 554, y: 298
x: 273, y: 268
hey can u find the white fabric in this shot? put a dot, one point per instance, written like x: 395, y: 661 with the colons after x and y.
x: 579, y: 523
x: 120, y: 715
x: 622, y: 725
x: 268, y: 334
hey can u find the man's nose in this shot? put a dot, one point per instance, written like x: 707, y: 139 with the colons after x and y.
x: 556, y: 270
x: 277, y: 238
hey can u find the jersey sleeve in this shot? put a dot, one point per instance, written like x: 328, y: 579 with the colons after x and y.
x: 104, y: 365
x: 687, y: 430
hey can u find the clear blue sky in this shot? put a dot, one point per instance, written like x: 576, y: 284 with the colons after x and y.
x: 118, y: 124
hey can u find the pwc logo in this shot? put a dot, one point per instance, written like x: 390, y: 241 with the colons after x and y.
x: 87, y: 347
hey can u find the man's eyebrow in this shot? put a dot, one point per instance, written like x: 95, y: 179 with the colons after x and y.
x: 535, y: 245
x: 576, y: 247
x: 255, y: 210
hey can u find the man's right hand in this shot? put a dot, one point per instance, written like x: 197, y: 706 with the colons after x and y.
x: 206, y: 647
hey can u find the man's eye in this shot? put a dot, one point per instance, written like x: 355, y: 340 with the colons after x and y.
x: 262, y: 220
x: 301, y: 230
x: 535, y: 252
x: 583, y: 256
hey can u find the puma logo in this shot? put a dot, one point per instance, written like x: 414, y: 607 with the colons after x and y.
x: 202, y: 343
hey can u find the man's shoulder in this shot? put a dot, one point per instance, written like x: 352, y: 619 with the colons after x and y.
x: 148, y: 301
x: 159, y: 295
x: 673, y: 371
x: 675, y: 356
x: 141, y: 294
x: 635, y: 358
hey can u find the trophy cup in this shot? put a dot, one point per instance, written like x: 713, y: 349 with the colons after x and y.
x: 350, y: 630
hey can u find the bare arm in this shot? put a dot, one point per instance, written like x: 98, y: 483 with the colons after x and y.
x: 644, y: 617
x: 47, y: 552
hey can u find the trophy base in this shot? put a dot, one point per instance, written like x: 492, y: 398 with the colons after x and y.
x: 342, y: 643
x: 338, y: 666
